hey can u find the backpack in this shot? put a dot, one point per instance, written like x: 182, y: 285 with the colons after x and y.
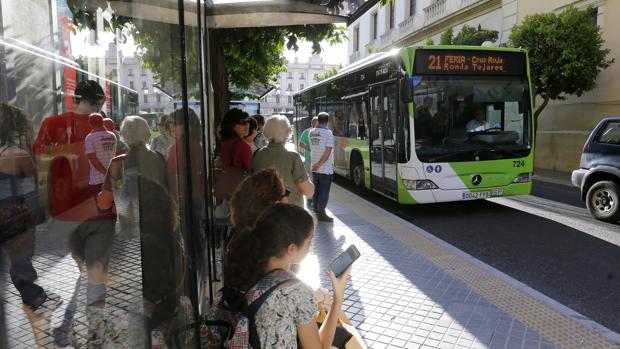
x: 229, y: 323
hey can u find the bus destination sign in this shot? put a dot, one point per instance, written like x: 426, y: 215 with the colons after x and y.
x: 469, y: 62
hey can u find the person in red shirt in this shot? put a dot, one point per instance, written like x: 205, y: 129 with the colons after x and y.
x: 61, y: 138
x: 235, y: 151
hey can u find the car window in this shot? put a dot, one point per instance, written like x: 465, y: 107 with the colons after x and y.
x: 610, y: 134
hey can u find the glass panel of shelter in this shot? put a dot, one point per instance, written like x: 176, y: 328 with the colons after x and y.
x: 119, y: 273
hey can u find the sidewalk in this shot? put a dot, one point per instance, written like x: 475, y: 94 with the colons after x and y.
x: 412, y: 290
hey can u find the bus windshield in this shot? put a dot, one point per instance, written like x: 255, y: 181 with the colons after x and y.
x: 471, y: 118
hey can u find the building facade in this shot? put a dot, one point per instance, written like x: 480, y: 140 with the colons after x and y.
x: 153, y: 98
x: 563, y: 125
x: 298, y: 76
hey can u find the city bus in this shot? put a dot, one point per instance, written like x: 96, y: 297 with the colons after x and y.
x: 430, y: 123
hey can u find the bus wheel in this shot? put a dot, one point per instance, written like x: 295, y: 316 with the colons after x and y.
x: 357, y: 171
x: 60, y: 189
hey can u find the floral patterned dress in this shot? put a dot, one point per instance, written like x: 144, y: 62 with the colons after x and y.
x: 286, y: 308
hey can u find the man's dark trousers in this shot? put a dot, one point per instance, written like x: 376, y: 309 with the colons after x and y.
x: 322, y: 185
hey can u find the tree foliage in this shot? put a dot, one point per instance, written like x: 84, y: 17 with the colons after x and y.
x: 446, y: 37
x: 429, y: 42
x: 254, y: 55
x: 251, y: 55
x: 468, y: 36
x: 327, y: 74
x: 566, y: 53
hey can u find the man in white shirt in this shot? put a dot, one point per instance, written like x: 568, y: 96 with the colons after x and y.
x: 321, y: 154
x: 100, y: 148
x: 478, y: 123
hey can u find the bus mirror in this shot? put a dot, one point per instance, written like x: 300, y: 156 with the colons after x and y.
x: 406, y: 90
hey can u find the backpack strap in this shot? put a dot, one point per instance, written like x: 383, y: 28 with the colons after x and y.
x: 255, y: 306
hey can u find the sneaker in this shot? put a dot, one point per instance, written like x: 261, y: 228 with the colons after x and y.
x: 325, y: 218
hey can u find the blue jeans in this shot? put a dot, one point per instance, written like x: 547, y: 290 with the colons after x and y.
x: 322, y: 185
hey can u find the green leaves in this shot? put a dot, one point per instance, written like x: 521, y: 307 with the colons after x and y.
x: 566, y: 52
x: 254, y: 55
x: 327, y: 74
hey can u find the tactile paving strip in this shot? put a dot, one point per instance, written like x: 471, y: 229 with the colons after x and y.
x: 558, y: 328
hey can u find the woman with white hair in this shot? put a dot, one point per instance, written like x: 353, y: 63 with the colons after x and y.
x: 289, y: 165
x: 138, y: 160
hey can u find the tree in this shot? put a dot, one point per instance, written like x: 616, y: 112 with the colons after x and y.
x: 446, y: 37
x: 566, y: 53
x: 327, y: 74
x: 474, y: 36
x: 238, y: 60
x: 429, y: 42
x: 238, y: 57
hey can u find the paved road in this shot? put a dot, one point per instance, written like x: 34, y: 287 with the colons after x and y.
x: 546, y: 240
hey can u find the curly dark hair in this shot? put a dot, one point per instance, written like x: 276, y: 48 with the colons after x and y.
x: 253, y: 196
x: 229, y: 121
x: 15, y: 127
x: 278, y: 227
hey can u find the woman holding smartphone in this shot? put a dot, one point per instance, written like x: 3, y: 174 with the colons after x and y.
x: 282, y: 236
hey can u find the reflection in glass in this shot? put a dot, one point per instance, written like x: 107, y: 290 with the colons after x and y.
x: 112, y: 220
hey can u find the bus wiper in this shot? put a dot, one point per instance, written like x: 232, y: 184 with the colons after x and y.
x: 503, y: 150
x: 447, y: 155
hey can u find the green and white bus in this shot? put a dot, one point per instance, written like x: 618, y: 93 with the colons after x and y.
x: 431, y: 123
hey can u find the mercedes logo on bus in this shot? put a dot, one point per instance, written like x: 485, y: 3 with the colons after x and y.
x: 476, y: 180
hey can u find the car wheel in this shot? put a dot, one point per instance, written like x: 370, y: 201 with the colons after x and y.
x: 357, y: 171
x: 603, y: 201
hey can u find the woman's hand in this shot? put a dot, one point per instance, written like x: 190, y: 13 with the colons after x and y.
x: 339, y: 284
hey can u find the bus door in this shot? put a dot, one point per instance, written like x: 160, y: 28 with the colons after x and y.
x: 383, y: 128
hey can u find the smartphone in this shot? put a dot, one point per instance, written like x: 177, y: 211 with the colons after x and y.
x: 342, y: 262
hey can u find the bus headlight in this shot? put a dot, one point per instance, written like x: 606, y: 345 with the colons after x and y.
x: 420, y: 184
x: 523, y: 178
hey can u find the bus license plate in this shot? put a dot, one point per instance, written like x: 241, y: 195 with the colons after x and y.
x: 483, y: 194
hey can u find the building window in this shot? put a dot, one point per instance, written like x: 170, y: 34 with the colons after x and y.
x: 374, y: 25
x: 129, y: 72
x: 594, y: 16
x: 144, y: 84
x: 277, y: 99
x: 290, y: 87
x: 356, y: 39
x: 412, y: 8
x: 145, y: 98
x: 290, y: 99
x: 391, y: 15
x: 158, y: 98
x: 301, y: 86
x: 131, y: 85
x: 302, y: 76
x: 290, y: 75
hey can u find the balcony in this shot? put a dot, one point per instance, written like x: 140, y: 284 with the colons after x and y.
x: 406, y: 27
x: 465, y: 3
x: 436, y: 10
x: 386, y: 39
x: 439, y: 9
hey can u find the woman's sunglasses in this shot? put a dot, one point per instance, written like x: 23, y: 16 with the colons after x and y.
x: 242, y: 122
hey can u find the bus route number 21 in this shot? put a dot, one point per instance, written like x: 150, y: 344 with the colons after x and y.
x: 434, y: 62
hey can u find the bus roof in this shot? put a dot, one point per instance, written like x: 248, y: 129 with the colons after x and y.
x: 382, y: 55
